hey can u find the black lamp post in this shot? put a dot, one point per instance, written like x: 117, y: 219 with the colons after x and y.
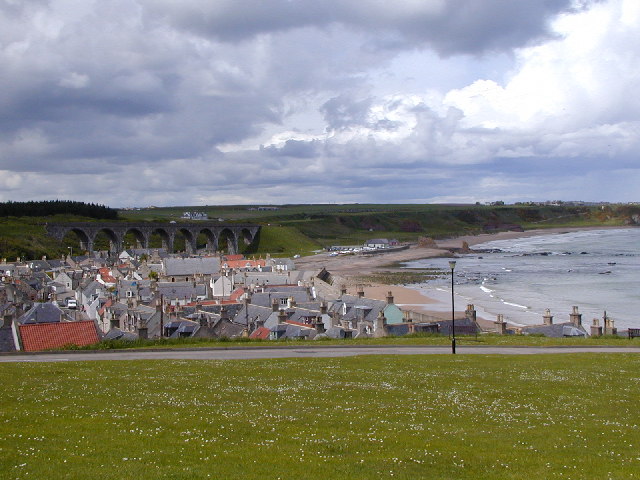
x: 452, y: 265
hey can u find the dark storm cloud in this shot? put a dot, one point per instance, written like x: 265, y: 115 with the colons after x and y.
x: 448, y: 26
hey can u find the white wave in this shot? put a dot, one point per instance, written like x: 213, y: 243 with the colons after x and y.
x: 515, y: 305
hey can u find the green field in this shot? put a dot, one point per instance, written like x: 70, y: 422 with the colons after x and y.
x: 437, y: 417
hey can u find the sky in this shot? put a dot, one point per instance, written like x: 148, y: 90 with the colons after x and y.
x: 216, y: 102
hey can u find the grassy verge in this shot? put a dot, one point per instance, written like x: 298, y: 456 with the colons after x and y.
x: 409, y: 340
x: 437, y: 417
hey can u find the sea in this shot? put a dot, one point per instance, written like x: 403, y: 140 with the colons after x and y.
x: 596, y: 270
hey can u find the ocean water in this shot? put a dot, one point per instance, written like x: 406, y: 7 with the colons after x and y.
x: 595, y: 270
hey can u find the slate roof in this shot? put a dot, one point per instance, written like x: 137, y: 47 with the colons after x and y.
x: 191, y: 266
x: 259, y: 278
x: 252, y: 313
x: 464, y: 326
x: 44, y: 313
x: 6, y: 340
x: 47, y: 336
x: 358, y: 308
x: 91, y: 288
x: 265, y: 299
x: 181, y: 328
x: 7, y: 267
x: 556, y: 330
x: 180, y: 290
x: 117, y: 334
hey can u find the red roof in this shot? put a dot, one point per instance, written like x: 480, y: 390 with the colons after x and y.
x: 236, y: 294
x: 45, y: 336
x: 261, y: 332
x: 108, y: 303
x: 245, y: 263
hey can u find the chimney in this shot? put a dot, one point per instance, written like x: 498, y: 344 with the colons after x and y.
x: 501, y: 325
x: 319, y: 325
x: 575, y: 317
x: 471, y: 313
x: 609, y: 328
x: 282, y: 316
x: 343, y: 289
x: 142, y: 329
x: 389, y: 297
x: 335, y: 319
x: 596, y: 329
x: 547, y: 318
x: 381, y: 323
x: 274, y: 305
x: 7, y: 320
x: 360, y: 291
x: 224, y: 314
x: 324, y: 308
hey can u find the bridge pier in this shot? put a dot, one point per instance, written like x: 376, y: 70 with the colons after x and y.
x: 87, y: 233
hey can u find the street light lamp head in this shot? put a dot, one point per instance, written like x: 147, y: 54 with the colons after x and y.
x: 452, y: 264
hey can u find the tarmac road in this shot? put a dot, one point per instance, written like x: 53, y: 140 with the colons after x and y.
x: 247, y: 353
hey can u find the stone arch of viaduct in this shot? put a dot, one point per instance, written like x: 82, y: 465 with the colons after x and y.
x: 213, y: 231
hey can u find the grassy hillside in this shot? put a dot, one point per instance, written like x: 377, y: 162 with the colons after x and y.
x: 300, y: 229
x: 282, y: 242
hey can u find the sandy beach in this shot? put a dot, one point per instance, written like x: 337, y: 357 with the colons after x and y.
x: 347, y: 267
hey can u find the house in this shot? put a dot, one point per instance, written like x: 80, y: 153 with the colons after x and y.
x: 181, y: 293
x: 140, y: 290
x: 112, y: 315
x: 244, y: 264
x: 377, y: 243
x: 65, y: 280
x: 89, y: 297
x: 143, y: 321
x: 177, y: 269
x: 221, y: 286
x: 361, y: 314
x: 106, y: 278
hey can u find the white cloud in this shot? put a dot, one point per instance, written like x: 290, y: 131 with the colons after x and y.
x: 141, y: 102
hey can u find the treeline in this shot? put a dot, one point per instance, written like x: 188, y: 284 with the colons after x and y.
x: 57, y: 207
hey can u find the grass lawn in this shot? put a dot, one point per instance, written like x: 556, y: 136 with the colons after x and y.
x: 409, y: 340
x: 437, y: 417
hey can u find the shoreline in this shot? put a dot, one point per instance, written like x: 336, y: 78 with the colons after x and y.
x: 348, y: 268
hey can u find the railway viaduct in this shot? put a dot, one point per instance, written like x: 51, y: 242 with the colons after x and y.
x: 142, y: 231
